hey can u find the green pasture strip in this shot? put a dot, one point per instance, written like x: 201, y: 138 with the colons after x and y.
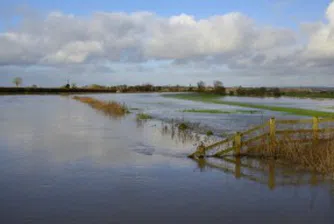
x: 211, y: 98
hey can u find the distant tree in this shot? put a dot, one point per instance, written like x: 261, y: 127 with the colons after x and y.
x: 177, y: 88
x: 147, y: 87
x: 74, y: 86
x: 218, y: 87
x: 190, y: 88
x: 67, y: 85
x: 277, y: 92
x: 17, y: 81
x: 201, y: 86
x: 240, y: 91
x: 158, y: 88
x: 34, y: 86
x: 262, y: 91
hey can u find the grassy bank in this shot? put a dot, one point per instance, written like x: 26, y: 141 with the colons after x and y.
x: 216, y: 99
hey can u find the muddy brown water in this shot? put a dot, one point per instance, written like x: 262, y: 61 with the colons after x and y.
x: 63, y: 162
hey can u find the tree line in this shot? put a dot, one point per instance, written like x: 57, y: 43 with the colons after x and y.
x: 217, y: 87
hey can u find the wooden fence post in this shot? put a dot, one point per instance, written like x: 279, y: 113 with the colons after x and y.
x: 201, y: 150
x: 315, y: 128
x: 272, y: 131
x: 237, y: 143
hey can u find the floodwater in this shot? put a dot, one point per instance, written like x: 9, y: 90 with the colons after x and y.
x: 63, y: 162
x: 305, y: 103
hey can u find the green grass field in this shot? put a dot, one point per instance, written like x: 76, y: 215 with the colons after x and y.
x: 211, y: 98
x: 215, y: 111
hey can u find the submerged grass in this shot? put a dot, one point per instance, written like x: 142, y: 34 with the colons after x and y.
x: 183, y: 126
x: 185, y: 132
x: 143, y: 116
x: 209, y: 133
x: 211, y: 98
x: 111, y: 108
x: 216, y: 111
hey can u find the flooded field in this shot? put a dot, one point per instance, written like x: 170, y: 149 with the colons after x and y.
x: 312, y: 104
x: 63, y: 162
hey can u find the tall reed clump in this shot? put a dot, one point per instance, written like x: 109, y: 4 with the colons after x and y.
x: 314, y: 156
x: 110, y: 108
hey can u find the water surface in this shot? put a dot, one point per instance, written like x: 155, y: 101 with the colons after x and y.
x: 62, y: 162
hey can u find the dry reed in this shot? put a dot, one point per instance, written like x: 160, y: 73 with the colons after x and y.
x: 110, y: 108
x: 309, y: 155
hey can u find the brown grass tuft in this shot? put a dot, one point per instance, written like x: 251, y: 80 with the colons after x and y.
x: 314, y: 156
x: 110, y: 108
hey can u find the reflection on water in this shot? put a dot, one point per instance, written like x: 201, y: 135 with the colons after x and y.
x: 268, y: 173
x: 262, y: 171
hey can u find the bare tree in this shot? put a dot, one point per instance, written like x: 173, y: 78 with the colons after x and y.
x: 201, y: 86
x: 218, y: 87
x: 17, y: 81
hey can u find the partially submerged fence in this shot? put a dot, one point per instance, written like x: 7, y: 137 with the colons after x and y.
x: 271, y: 133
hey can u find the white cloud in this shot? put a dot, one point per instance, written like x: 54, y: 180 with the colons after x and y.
x: 75, y: 52
x: 61, y: 38
x: 330, y: 13
x: 232, y: 40
x: 320, y: 47
x: 182, y: 37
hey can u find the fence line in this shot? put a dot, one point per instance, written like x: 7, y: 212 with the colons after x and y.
x: 270, y: 136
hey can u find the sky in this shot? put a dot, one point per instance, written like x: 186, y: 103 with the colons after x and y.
x: 240, y: 42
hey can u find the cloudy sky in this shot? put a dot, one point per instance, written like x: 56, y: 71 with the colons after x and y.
x: 240, y: 42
